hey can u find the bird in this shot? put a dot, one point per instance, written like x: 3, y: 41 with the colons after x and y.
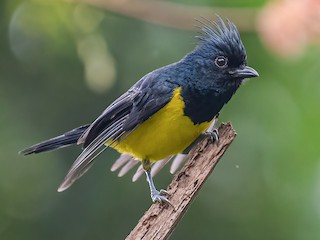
x: 166, y: 110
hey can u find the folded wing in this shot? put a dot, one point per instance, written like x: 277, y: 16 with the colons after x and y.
x: 135, y: 106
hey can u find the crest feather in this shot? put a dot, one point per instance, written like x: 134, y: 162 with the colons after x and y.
x: 220, y: 36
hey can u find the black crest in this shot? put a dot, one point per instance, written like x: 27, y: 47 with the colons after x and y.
x: 221, y: 37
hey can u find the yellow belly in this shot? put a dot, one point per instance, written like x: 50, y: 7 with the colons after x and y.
x: 166, y: 133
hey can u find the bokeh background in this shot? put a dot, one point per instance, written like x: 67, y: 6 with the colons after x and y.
x: 63, y: 62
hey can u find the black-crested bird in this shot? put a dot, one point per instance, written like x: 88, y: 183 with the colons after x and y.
x: 166, y: 110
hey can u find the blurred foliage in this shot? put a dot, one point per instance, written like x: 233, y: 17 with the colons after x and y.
x: 61, y: 64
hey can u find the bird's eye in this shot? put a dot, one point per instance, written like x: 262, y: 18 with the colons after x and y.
x: 221, y: 61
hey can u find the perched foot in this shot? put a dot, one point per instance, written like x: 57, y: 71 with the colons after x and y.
x: 214, y: 135
x: 156, y: 196
x: 160, y: 196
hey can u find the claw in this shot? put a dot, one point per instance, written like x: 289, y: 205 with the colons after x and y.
x: 163, y: 192
x: 214, y: 135
x: 158, y: 196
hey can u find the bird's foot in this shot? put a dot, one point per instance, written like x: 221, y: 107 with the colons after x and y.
x: 156, y: 196
x: 214, y: 135
x: 160, y: 196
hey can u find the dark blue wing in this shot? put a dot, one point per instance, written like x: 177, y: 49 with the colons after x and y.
x: 135, y: 106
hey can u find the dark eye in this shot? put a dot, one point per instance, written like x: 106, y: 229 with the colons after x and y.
x: 221, y: 61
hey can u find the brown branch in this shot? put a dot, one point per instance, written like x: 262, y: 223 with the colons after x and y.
x: 160, y: 220
x: 175, y: 15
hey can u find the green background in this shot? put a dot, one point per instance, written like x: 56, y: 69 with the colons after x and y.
x: 267, y: 186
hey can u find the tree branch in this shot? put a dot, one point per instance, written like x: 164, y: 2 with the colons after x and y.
x: 160, y: 220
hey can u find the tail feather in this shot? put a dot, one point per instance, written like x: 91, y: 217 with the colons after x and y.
x: 64, y: 140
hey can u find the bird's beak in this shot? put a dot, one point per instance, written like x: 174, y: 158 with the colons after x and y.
x: 246, y: 72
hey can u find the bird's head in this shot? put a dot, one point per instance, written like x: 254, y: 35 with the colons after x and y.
x: 221, y: 55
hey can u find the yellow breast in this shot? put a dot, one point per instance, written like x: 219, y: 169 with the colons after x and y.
x: 166, y: 133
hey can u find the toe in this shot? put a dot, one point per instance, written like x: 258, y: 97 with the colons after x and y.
x: 215, y: 135
x: 160, y: 198
x: 163, y: 192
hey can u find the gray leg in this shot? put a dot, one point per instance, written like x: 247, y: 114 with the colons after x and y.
x: 156, y: 196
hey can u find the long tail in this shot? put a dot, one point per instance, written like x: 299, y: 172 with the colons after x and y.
x: 64, y: 140
x: 125, y: 161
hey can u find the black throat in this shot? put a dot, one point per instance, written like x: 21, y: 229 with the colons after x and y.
x: 202, y: 105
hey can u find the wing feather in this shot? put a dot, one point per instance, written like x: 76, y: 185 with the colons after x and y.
x: 85, y: 160
x: 118, y: 120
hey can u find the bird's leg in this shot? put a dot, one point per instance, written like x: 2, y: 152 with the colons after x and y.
x: 212, y: 132
x: 156, y: 196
